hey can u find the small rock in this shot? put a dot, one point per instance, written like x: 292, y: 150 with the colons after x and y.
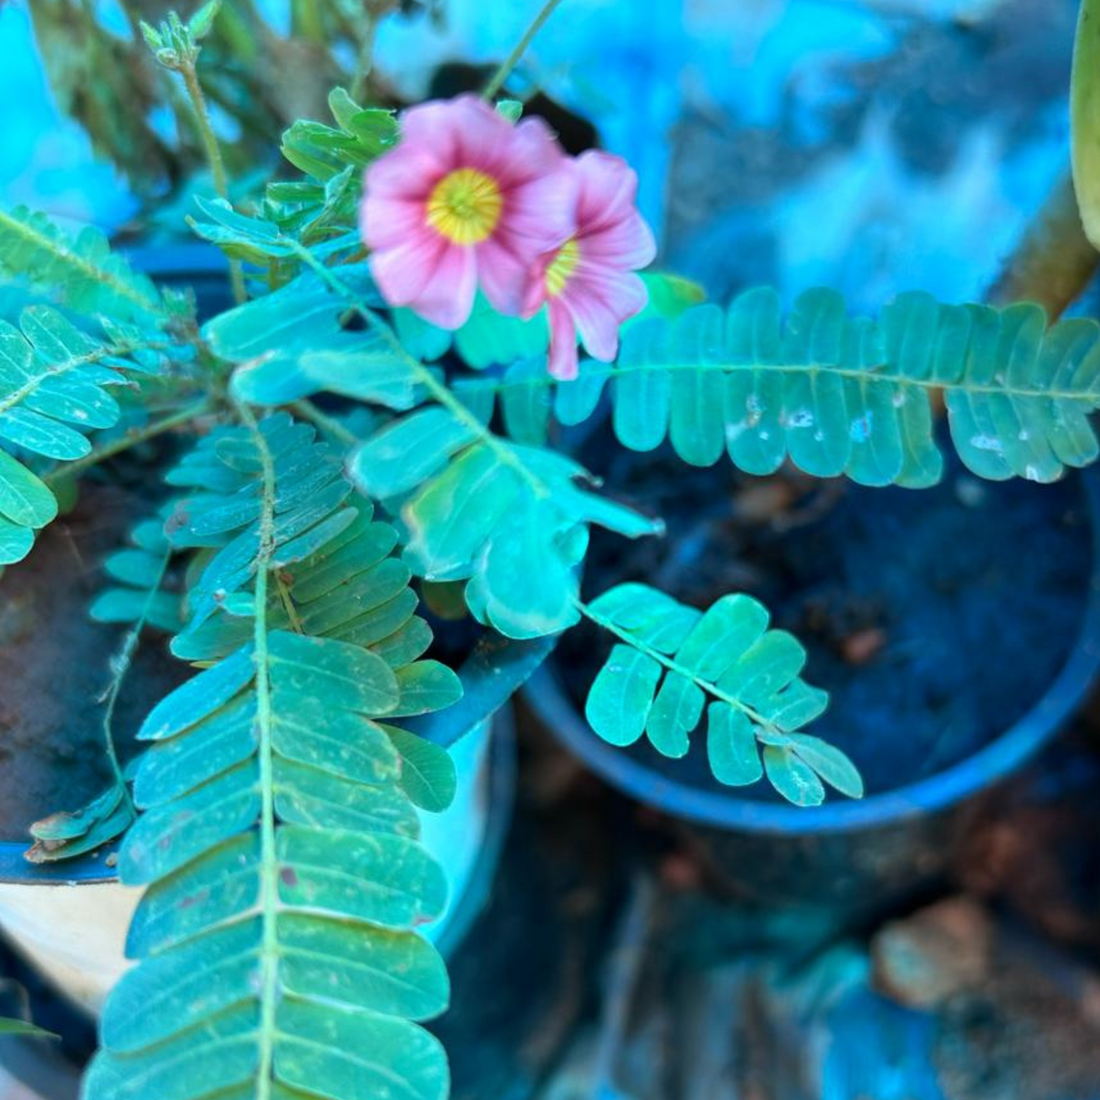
x: 936, y: 953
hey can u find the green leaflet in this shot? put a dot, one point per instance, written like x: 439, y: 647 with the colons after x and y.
x: 487, y: 338
x: 277, y: 940
x: 22, y: 1027
x: 1085, y: 118
x: 474, y: 505
x: 54, y: 388
x: 671, y: 659
x: 837, y: 395
x: 291, y: 344
x: 81, y: 272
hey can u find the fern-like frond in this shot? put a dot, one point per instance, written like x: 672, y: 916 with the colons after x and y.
x: 672, y: 661
x: 55, y: 385
x: 80, y: 272
x: 277, y: 937
x: 837, y: 394
x: 471, y: 501
x: 474, y: 506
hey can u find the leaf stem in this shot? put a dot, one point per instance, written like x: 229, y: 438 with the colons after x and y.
x: 120, y: 666
x: 364, y: 62
x: 513, y: 59
x: 438, y: 390
x: 269, y: 867
x: 307, y: 410
x: 190, y: 75
x: 125, y: 442
x: 672, y: 666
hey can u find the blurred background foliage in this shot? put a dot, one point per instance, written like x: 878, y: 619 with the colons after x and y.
x: 874, y: 145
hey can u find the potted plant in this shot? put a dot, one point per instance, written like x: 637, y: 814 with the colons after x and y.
x: 368, y: 433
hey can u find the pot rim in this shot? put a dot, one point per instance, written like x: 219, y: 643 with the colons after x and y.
x: 546, y: 696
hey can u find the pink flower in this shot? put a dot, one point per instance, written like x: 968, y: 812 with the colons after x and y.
x: 465, y: 198
x: 589, y: 281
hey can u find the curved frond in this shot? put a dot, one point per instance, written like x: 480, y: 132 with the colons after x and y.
x: 838, y: 395
x: 55, y: 383
x: 81, y: 272
x: 474, y: 506
x: 277, y: 938
x: 673, y: 661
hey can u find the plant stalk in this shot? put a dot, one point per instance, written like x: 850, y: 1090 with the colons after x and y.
x: 124, y: 443
x: 513, y: 59
x: 214, y: 159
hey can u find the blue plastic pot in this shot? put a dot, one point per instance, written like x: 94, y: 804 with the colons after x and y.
x: 855, y: 855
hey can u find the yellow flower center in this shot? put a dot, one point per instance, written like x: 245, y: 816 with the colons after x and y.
x: 562, y: 266
x: 465, y: 206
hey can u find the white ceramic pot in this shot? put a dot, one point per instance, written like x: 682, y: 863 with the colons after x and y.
x: 70, y: 921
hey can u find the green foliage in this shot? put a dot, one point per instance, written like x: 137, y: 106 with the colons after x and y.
x: 319, y: 210
x: 332, y: 159
x: 293, y: 343
x: 469, y: 500
x: 840, y: 395
x: 487, y: 338
x: 175, y: 43
x: 278, y: 840
x: 474, y: 506
x: 22, y: 1027
x: 1085, y: 118
x: 66, y: 835
x: 54, y: 388
x: 672, y: 658
x: 138, y: 594
x: 82, y: 272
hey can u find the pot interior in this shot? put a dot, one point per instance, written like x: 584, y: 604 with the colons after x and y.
x: 935, y: 618
x: 55, y: 664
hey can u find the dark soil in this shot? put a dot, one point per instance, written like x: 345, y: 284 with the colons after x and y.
x: 935, y: 619
x: 54, y: 665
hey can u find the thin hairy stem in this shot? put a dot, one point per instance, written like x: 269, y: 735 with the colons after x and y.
x: 125, y: 442
x: 364, y: 62
x: 120, y: 666
x: 268, y: 978
x: 213, y: 157
x: 513, y: 59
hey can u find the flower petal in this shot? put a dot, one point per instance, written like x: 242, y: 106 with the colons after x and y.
x: 562, y: 363
x: 408, y: 171
x: 504, y: 274
x: 448, y: 295
x: 542, y: 211
x: 600, y: 300
x: 532, y: 151
x: 533, y: 292
x: 435, y: 128
x: 608, y: 188
x: 402, y: 272
x: 386, y: 222
x: 627, y: 244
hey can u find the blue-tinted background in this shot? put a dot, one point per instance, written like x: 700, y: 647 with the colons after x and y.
x: 876, y: 147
